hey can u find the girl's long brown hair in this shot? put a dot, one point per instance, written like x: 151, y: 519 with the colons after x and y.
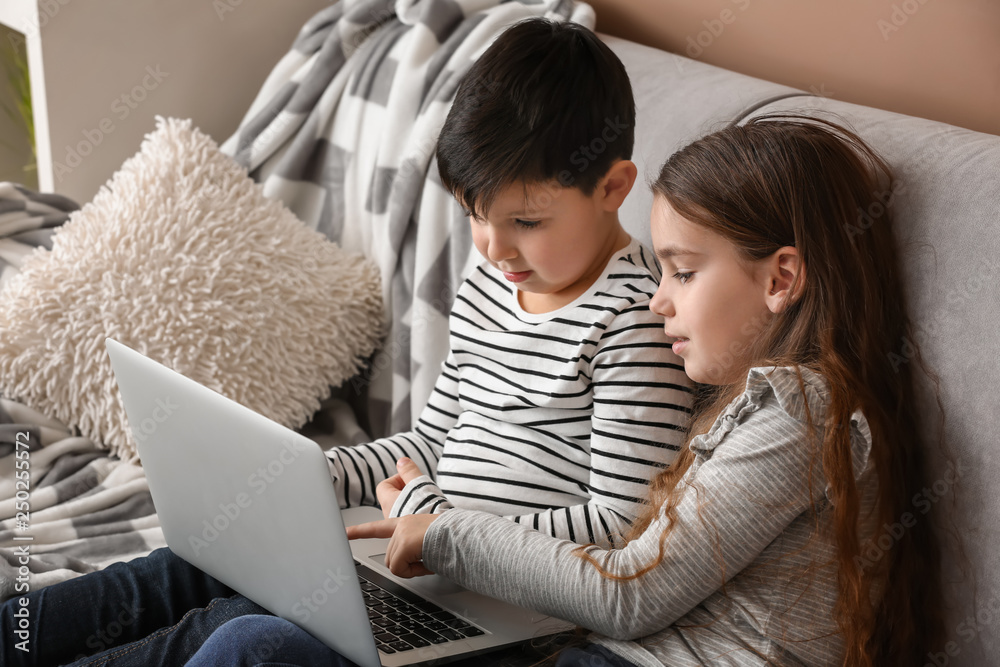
x: 785, y: 180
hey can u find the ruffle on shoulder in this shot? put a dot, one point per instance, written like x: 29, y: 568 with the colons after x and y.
x: 742, y: 406
x: 783, y: 384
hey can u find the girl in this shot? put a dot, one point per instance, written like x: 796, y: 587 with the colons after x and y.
x: 750, y: 551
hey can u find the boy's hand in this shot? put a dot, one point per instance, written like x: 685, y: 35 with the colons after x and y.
x: 387, y: 491
x: 404, y: 555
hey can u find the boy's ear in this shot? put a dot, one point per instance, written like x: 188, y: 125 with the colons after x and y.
x: 617, y: 183
x: 785, y: 275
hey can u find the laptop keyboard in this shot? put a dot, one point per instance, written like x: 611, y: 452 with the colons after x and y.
x: 403, y: 621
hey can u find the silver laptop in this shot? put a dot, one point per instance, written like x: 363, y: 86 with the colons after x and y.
x: 251, y: 503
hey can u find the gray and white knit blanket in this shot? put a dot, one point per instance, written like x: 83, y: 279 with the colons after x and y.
x: 85, y: 508
x: 343, y: 132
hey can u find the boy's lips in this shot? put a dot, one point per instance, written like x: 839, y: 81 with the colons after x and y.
x: 516, y: 276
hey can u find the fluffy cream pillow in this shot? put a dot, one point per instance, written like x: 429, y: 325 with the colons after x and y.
x: 181, y: 257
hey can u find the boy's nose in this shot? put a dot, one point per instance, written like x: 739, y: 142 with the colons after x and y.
x: 500, y: 248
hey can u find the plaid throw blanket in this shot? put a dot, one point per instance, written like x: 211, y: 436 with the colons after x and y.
x: 27, y: 220
x: 343, y: 132
x: 83, y: 508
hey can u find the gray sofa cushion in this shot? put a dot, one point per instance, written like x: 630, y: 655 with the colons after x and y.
x: 678, y: 100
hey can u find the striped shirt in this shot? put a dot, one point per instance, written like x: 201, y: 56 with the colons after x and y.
x: 557, y: 421
x: 745, y: 517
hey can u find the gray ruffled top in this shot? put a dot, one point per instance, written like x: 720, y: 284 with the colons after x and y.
x: 747, y: 574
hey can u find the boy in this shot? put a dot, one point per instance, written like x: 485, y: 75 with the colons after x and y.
x: 560, y: 397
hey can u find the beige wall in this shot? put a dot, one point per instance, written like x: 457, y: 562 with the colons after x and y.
x: 106, y: 68
x: 936, y: 59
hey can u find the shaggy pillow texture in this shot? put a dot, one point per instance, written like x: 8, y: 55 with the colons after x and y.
x: 181, y: 257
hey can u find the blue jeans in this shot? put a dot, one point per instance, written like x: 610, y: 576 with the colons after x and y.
x: 269, y: 641
x: 150, y: 611
x: 259, y: 641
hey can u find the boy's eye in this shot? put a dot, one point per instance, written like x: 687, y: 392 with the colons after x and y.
x: 683, y: 276
x: 526, y: 223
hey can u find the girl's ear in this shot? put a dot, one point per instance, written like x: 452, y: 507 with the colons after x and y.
x: 785, y: 278
x: 617, y: 183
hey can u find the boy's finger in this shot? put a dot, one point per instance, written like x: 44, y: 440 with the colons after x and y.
x: 383, y: 528
x: 395, y: 481
x: 387, y: 496
x: 407, y: 470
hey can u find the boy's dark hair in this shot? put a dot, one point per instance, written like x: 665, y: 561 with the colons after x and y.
x: 546, y: 101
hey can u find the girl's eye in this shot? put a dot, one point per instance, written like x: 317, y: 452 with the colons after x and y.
x: 527, y: 224
x: 683, y: 277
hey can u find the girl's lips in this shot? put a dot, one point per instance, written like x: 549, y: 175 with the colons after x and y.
x: 516, y: 277
x: 679, y: 345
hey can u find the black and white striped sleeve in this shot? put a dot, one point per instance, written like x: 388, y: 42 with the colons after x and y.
x: 356, y: 470
x: 420, y: 496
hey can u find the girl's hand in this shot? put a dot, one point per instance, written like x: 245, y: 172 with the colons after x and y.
x: 404, y: 555
x: 388, y: 490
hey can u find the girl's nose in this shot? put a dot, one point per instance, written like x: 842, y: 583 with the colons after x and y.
x: 661, y: 304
